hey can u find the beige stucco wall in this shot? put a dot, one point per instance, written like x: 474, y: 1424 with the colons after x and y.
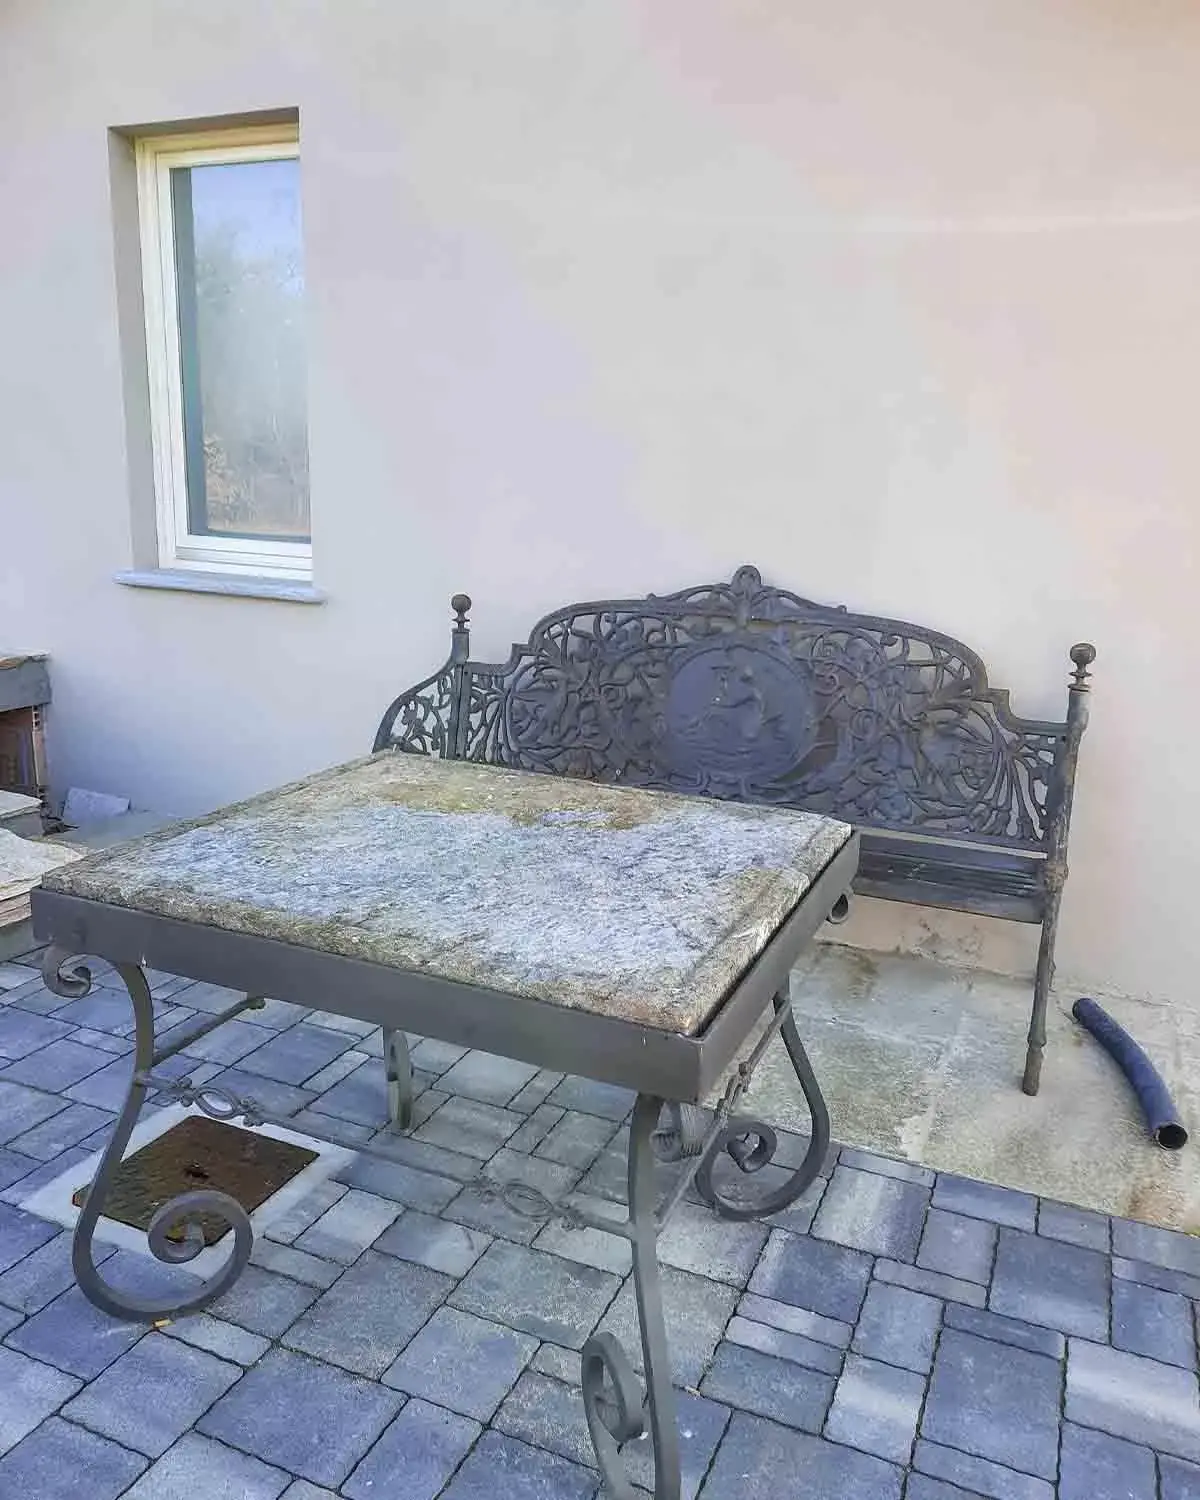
x: 901, y: 303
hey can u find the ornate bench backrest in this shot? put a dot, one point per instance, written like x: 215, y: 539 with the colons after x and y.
x: 743, y: 691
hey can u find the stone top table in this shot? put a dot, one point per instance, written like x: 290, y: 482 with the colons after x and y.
x: 637, y: 937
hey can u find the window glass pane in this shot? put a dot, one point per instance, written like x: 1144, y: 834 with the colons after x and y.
x: 240, y: 288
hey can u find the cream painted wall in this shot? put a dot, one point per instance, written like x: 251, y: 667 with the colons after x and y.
x: 901, y: 303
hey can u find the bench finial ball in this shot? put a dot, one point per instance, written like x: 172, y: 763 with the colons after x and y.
x: 1083, y: 654
x: 461, y: 604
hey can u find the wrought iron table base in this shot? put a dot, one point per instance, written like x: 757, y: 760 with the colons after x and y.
x: 619, y: 1408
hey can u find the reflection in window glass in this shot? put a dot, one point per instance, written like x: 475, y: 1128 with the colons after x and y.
x: 240, y: 292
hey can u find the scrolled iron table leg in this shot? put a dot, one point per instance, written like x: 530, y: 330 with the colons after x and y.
x: 751, y: 1144
x: 65, y: 975
x: 612, y: 1393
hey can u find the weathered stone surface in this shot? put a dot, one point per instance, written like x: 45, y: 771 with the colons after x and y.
x: 444, y: 866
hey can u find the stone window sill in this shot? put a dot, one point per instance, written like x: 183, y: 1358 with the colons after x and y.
x: 234, y: 585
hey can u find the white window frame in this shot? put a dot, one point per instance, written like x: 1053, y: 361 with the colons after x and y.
x: 178, y: 546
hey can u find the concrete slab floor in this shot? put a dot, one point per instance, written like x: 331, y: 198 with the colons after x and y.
x: 922, y: 1062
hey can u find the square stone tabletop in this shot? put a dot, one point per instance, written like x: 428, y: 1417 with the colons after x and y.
x: 641, y: 905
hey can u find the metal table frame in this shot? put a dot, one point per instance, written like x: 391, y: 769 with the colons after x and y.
x: 672, y: 1074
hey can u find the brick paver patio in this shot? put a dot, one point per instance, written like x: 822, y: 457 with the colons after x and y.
x: 898, y: 1334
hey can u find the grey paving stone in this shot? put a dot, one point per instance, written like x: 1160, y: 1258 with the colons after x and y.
x: 483, y: 1076
x: 979, y: 1475
x: 536, y: 1091
x: 50, y: 1463
x: 226, y: 1340
x: 695, y: 1239
x: 500, y: 1465
x: 1132, y: 1397
x: 695, y: 1310
x: 13, y: 1166
x: 875, y: 1408
x: 364, y: 1320
x: 22, y: 1033
x: 197, y: 1466
x: 809, y: 1325
x: 301, y: 1415
x: 865, y: 1211
x: 21, y: 1234
x: 9, y: 1319
x: 33, y: 1282
x: 344, y: 1231
x: 578, y: 1139
x: 921, y: 1487
x: 361, y: 1096
x: 55, y: 1067
x: 74, y: 1336
x: 561, y: 1364
x: 344, y: 1132
x: 536, y: 1293
x: 286, y: 1260
x: 450, y: 1248
x: 869, y: 1161
x: 1046, y: 1281
x: 63, y: 1130
x: 424, y: 1156
x: 29, y: 1391
x: 783, y: 1345
x: 1095, y: 1466
x: 401, y: 1183
x: 813, y: 1274
x: 226, y: 1045
x: 761, y: 1458
x: 321, y: 1082
x: 800, y: 1215
x: 537, y: 1127
x: 152, y: 1394
x: 452, y: 1342
x: 470, y: 1127
x: 263, y: 1302
x: 777, y: 1388
x: 899, y: 1327
x: 1145, y: 1320
x: 1180, y: 1481
x: 275, y: 1097
x: 958, y: 1245
x: 103, y: 1010
x: 294, y: 1055
x: 415, y: 1456
x: 436, y: 1057
x: 932, y: 1283
x: 989, y: 1325
x: 115, y: 1046
x: 1158, y: 1247
x: 981, y: 1200
x: 286, y: 1227
x: 300, y: 1489
x: 22, y: 1108
x: 590, y: 1247
x: 995, y: 1401
x: 594, y: 1098
x: 275, y: 1015
x: 1078, y: 1226
x: 17, y: 1192
x: 1149, y: 1275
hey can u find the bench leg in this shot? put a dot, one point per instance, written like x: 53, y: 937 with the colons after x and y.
x: 616, y: 1411
x: 1043, y: 979
x: 398, y: 1065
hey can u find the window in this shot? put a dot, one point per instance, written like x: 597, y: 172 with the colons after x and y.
x: 223, y: 281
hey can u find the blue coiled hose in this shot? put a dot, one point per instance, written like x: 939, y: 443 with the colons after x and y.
x: 1162, y: 1117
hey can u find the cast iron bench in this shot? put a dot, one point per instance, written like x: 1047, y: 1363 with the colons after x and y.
x: 738, y: 690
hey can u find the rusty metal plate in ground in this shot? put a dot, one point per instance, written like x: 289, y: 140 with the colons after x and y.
x: 201, y: 1153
